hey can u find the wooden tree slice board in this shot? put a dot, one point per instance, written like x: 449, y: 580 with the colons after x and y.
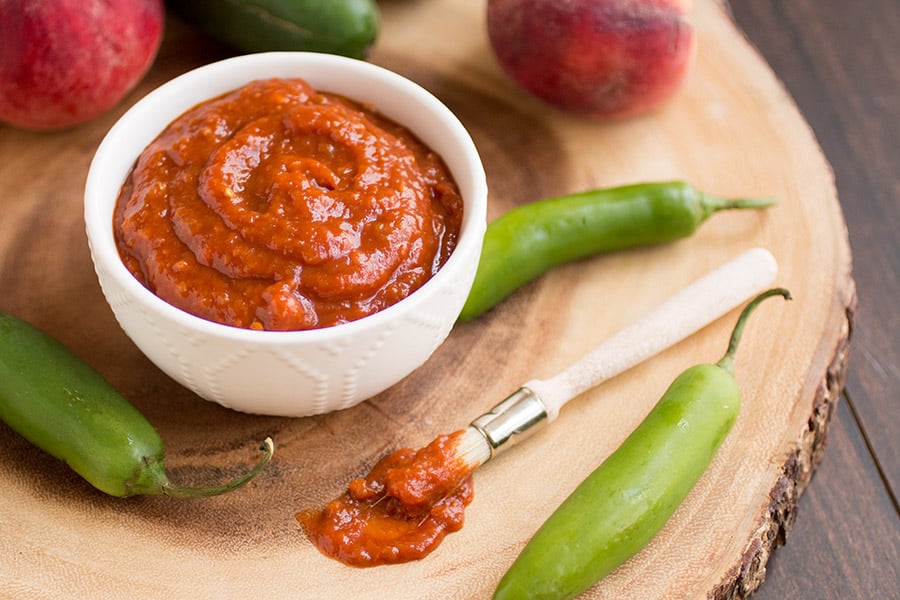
x: 732, y: 131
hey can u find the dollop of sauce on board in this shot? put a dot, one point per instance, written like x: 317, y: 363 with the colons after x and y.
x: 400, y: 511
x: 280, y: 207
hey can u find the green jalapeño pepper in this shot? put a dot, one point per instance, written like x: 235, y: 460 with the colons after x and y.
x: 531, y: 239
x: 346, y: 27
x: 622, y: 505
x: 63, y: 406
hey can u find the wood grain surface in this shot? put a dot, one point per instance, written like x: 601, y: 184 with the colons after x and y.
x: 733, y: 131
x: 838, y: 61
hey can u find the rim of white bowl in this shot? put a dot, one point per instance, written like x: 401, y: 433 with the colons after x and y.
x: 183, y: 92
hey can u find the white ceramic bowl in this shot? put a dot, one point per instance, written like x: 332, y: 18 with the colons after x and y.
x: 294, y: 373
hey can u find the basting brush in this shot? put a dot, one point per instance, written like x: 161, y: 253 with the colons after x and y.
x: 397, y: 502
x: 539, y: 401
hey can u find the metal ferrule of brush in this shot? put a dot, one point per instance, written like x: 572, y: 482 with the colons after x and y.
x: 511, y: 418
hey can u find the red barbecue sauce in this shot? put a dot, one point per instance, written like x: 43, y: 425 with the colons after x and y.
x: 400, y: 511
x: 279, y: 207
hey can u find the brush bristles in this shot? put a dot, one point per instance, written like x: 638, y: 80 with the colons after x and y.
x: 473, y: 449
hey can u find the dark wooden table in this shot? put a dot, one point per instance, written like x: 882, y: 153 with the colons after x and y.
x: 841, y: 63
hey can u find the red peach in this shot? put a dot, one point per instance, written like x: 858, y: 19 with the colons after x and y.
x: 64, y: 62
x: 596, y: 58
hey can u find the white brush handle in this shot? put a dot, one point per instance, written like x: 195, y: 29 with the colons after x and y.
x: 688, y: 311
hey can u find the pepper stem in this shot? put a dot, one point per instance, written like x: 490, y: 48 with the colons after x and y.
x: 267, y: 447
x: 714, y: 203
x: 727, y: 361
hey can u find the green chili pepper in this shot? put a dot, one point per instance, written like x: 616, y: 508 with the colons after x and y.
x: 533, y: 238
x: 621, y: 506
x: 62, y: 405
x: 347, y: 27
